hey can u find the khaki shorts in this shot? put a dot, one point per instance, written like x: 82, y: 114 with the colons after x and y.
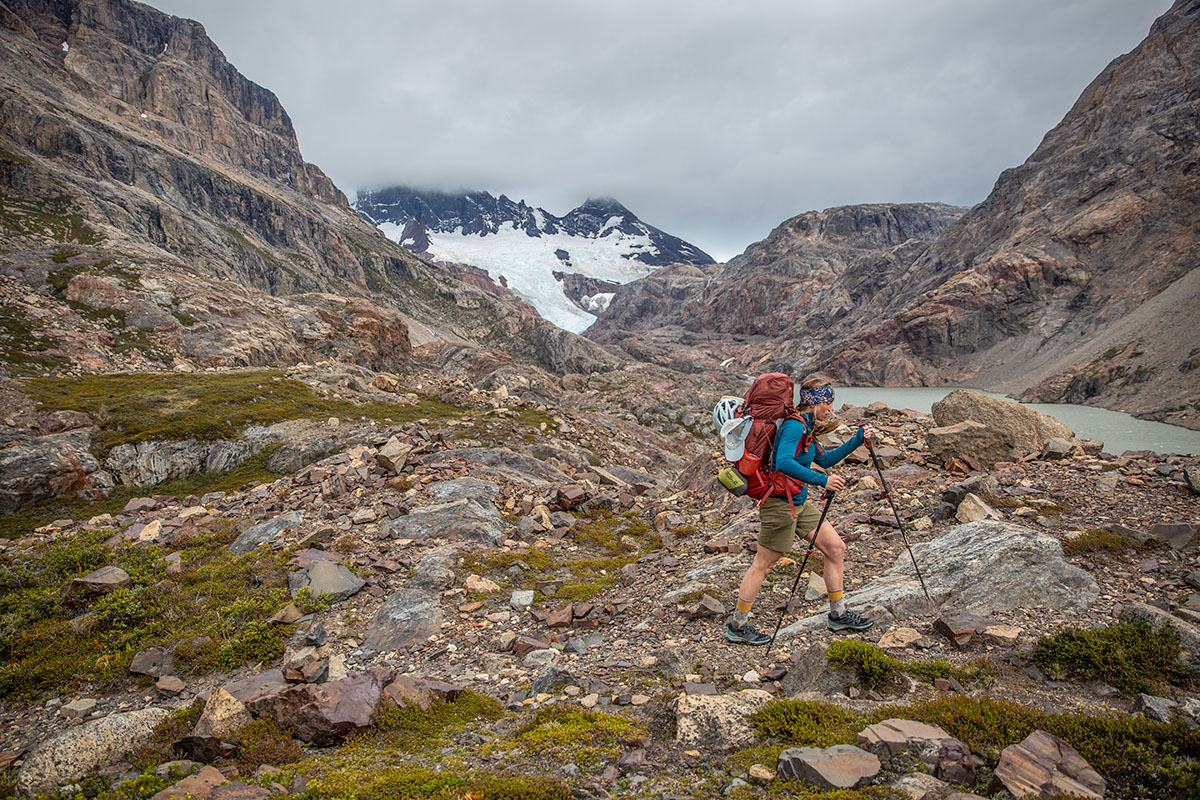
x: 779, y: 527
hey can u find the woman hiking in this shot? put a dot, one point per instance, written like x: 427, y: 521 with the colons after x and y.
x: 794, y: 451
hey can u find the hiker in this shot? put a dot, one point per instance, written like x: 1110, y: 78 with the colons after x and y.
x: 794, y: 450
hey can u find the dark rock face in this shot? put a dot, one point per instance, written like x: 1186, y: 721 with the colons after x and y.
x: 480, y: 213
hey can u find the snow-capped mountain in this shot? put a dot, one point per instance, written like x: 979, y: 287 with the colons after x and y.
x: 526, y: 246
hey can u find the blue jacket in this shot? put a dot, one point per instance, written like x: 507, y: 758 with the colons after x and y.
x: 798, y: 465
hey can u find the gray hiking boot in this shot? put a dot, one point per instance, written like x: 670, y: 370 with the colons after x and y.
x: 849, y: 621
x: 746, y: 634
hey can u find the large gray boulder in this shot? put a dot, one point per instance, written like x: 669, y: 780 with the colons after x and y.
x: 152, y: 463
x: 408, y: 617
x: 265, y: 532
x: 75, y: 752
x: 982, y: 568
x: 972, y: 440
x: 460, y: 520
x: 328, y: 578
x: 1024, y: 428
x: 1157, y: 619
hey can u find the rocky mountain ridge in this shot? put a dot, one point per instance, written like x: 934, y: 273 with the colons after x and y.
x: 479, y: 213
x: 1073, y: 281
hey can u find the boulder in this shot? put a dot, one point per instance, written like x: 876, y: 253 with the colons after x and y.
x: 980, y: 568
x: 460, y: 520
x: 393, y: 455
x: 72, y: 754
x: 973, y: 508
x: 152, y: 463
x: 480, y: 492
x: 1178, y: 535
x: 718, y: 722
x: 969, y: 439
x: 1056, y: 448
x: 223, y: 714
x: 102, y: 581
x: 1191, y: 476
x: 809, y: 671
x: 408, y: 617
x: 44, y: 467
x: 265, y: 532
x: 1022, y: 427
x: 325, y: 714
x: 842, y: 766
x: 507, y: 465
x: 326, y: 578
x: 435, y: 570
x: 200, y: 786
x: 421, y: 692
x: 153, y: 661
x: 1043, y: 764
x: 894, y: 736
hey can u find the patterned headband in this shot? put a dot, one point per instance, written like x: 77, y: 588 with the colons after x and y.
x: 813, y: 397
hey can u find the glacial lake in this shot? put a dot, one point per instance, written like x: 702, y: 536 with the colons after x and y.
x: 1119, y: 432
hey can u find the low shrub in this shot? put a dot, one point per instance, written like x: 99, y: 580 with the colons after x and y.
x: 875, y: 668
x: 1130, y: 656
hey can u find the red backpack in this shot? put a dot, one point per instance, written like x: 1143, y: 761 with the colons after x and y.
x: 768, y: 403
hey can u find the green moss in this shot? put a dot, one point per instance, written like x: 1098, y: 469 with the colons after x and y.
x: 264, y: 741
x: 219, y: 596
x: 379, y: 764
x: 876, y: 668
x: 806, y: 791
x: 1128, y: 655
x: 535, y: 559
x: 568, y: 733
x: 130, y: 408
x: 1097, y: 540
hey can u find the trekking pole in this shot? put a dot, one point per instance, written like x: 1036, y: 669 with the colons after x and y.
x: 899, y: 524
x: 799, y: 572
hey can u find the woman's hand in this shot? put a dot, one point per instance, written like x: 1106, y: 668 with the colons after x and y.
x: 835, y: 483
x: 867, y: 438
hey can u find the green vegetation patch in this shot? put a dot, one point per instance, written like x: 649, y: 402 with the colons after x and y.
x: 389, y: 762
x: 175, y: 406
x: 571, y: 734
x: 53, y: 218
x: 1099, y: 540
x: 23, y: 350
x: 1130, y: 656
x: 876, y: 668
x: 214, y: 612
x: 1139, y: 757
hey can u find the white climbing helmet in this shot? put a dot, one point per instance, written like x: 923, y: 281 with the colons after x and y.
x: 724, y: 410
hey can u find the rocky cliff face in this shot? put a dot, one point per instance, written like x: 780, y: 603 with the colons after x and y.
x: 126, y: 138
x: 1079, y: 259
x: 1074, y: 280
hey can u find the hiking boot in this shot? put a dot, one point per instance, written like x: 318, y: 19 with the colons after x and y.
x: 746, y: 634
x: 849, y: 621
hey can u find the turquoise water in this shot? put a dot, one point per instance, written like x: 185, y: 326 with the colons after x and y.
x: 1119, y: 432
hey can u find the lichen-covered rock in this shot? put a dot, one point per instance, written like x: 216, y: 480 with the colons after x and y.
x: 75, y: 752
x: 718, y: 722
x: 40, y: 468
x: 842, y: 766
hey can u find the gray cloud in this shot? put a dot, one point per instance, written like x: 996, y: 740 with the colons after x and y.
x: 712, y: 120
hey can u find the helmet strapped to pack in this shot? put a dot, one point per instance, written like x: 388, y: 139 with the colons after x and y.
x: 725, y: 410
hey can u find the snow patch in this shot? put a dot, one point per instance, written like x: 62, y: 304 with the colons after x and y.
x: 528, y: 262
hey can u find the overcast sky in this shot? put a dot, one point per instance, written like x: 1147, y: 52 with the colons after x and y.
x: 714, y: 120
